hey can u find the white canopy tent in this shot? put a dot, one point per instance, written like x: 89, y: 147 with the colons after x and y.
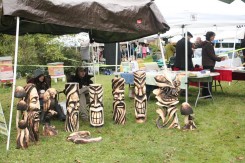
x: 199, y: 16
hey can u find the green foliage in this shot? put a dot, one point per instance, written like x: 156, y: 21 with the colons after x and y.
x: 154, y: 48
x: 36, y: 50
x: 219, y: 136
x: 7, y: 45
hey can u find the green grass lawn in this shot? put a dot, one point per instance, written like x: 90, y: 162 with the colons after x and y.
x: 220, y: 136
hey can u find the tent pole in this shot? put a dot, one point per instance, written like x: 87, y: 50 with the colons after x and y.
x: 127, y: 52
x: 93, y: 52
x: 14, y: 79
x: 116, y: 56
x: 234, y: 48
x: 163, y: 57
x: 186, y: 67
x: 98, y: 57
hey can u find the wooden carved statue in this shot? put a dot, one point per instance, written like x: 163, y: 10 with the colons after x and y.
x: 96, y: 112
x: 72, y: 106
x: 140, y: 99
x: 22, y: 139
x: 49, y: 110
x: 82, y: 137
x: 167, y: 96
x: 119, y: 106
x: 187, y: 111
x: 27, y: 117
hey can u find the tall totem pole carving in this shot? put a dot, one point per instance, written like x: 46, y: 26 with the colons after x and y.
x: 119, y: 106
x: 96, y: 111
x: 167, y: 96
x: 140, y: 99
x: 72, y: 106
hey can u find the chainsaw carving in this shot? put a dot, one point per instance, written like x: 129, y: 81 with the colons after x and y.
x: 72, y: 106
x: 27, y: 116
x: 96, y: 111
x: 187, y: 111
x: 167, y: 96
x: 49, y: 111
x: 82, y: 137
x: 119, y: 106
x: 140, y: 99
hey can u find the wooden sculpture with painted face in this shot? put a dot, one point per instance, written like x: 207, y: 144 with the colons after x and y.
x: 22, y: 139
x: 119, y: 106
x: 72, y: 106
x: 96, y: 105
x: 140, y: 99
x: 167, y: 96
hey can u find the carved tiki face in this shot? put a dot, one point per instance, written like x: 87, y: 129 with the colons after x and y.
x: 72, y: 105
x: 140, y: 99
x: 96, y: 105
x: 119, y: 107
x: 168, y: 91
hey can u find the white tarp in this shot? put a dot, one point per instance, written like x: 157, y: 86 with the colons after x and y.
x: 200, y: 16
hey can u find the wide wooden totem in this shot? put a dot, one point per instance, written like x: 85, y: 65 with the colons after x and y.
x: 187, y: 111
x: 167, y: 96
x: 27, y: 117
x: 96, y: 111
x: 140, y: 99
x: 49, y: 105
x: 72, y: 106
x: 119, y: 106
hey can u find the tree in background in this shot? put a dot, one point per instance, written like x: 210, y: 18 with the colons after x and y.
x: 38, y: 49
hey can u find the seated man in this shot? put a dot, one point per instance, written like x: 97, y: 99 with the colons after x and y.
x: 84, y: 80
x: 42, y: 84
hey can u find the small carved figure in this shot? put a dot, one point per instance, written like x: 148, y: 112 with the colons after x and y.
x: 187, y: 111
x: 140, y: 99
x: 119, y: 106
x: 49, y: 130
x: 72, y: 106
x: 22, y: 139
x: 82, y: 137
x: 49, y: 105
x: 96, y: 105
x: 167, y: 96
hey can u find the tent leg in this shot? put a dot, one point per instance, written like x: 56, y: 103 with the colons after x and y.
x: 116, y: 57
x: 14, y: 80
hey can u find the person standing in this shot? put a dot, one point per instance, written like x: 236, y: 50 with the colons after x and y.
x: 180, y: 53
x: 144, y: 51
x: 209, y: 59
x: 179, y: 63
x: 198, y: 43
x: 169, y: 51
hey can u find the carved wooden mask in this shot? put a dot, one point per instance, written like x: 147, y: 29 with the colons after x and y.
x: 96, y: 105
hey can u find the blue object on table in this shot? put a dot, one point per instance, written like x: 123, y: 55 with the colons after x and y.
x: 160, y: 62
x: 107, y: 72
x: 129, y: 77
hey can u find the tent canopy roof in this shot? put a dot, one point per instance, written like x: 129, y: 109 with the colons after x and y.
x: 104, y: 20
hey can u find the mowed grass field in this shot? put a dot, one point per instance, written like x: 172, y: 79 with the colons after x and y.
x: 219, y: 138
